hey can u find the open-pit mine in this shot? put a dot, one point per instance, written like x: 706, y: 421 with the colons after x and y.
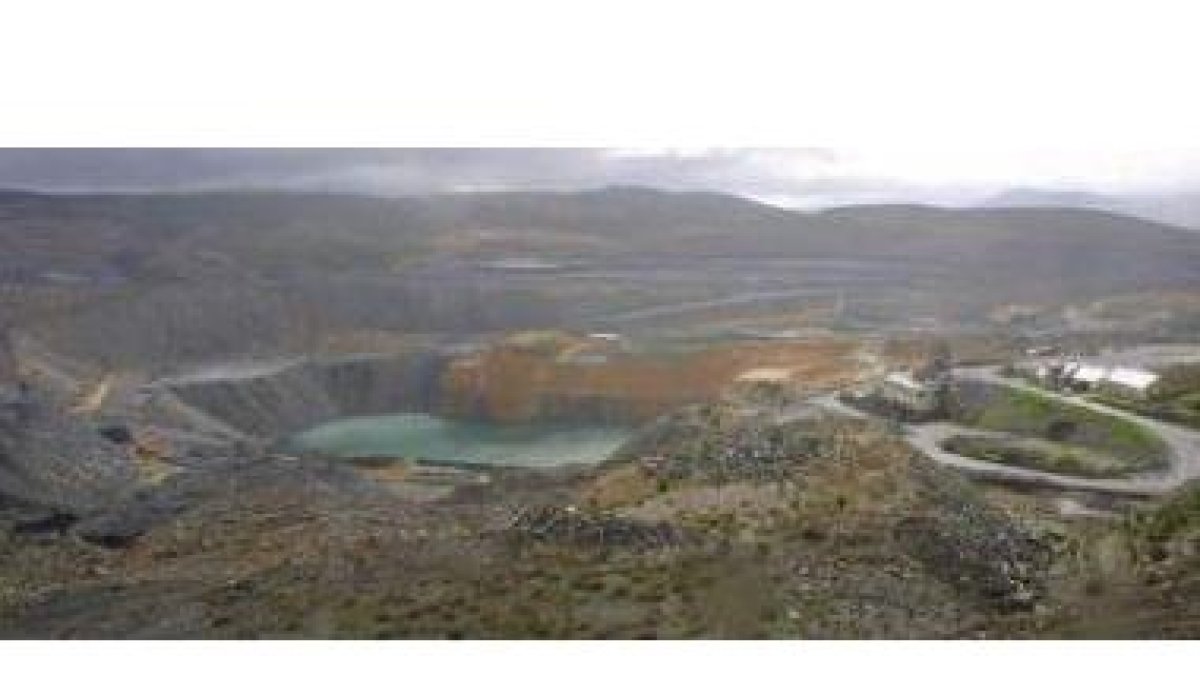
x: 619, y: 413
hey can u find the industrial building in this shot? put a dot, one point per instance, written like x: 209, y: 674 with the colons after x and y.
x: 1082, y: 376
x: 904, y: 391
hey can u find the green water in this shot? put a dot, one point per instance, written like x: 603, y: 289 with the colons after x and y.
x: 421, y: 436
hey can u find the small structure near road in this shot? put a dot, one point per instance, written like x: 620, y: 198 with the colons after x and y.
x: 1082, y: 376
x: 919, y: 394
x: 1132, y: 382
x: 904, y: 391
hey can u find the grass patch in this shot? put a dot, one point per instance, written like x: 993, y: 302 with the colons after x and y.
x: 1182, y: 409
x: 1048, y: 456
x: 1059, y: 437
x: 1180, y: 514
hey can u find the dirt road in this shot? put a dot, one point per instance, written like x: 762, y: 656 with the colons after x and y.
x: 1182, y: 443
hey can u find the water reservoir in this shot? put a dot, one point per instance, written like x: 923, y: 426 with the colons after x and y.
x: 428, y: 437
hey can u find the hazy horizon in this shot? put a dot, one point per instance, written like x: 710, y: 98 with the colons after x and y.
x: 787, y: 176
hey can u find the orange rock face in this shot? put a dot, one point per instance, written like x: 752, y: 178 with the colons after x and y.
x: 579, y: 381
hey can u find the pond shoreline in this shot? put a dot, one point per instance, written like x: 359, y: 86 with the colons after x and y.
x: 434, y: 441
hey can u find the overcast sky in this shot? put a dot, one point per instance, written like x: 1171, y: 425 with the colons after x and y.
x: 922, y: 100
x: 799, y: 176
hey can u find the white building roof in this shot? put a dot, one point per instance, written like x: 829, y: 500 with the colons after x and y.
x: 1135, y: 378
x: 1086, y: 372
x: 903, y: 379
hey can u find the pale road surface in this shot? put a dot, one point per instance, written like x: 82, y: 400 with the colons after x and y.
x: 247, y: 370
x: 749, y: 298
x: 1183, y: 445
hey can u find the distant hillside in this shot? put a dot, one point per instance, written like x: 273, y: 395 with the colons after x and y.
x: 135, y: 235
x: 1181, y: 209
x: 205, y: 273
x: 1029, y: 197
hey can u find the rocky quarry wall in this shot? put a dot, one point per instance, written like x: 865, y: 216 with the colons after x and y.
x: 270, y: 402
x: 53, y: 461
x: 511, y: 383
x: 506, y: 383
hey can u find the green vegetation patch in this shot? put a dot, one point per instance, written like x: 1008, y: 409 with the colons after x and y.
x: 1179, y: 515
x: 1041, y: 455
x: 1058, y: 436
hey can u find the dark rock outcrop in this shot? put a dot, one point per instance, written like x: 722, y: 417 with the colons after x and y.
x: 8, y: 361
x: 220, y: 487
x: 568, y: 525
x: 715, y: 444
x: 975, y: 548
x: 52, y: 462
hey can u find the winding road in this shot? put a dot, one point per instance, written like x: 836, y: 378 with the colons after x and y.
x: 1182, y: 443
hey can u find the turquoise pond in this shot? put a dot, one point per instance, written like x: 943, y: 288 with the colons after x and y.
x: 427, y: 437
